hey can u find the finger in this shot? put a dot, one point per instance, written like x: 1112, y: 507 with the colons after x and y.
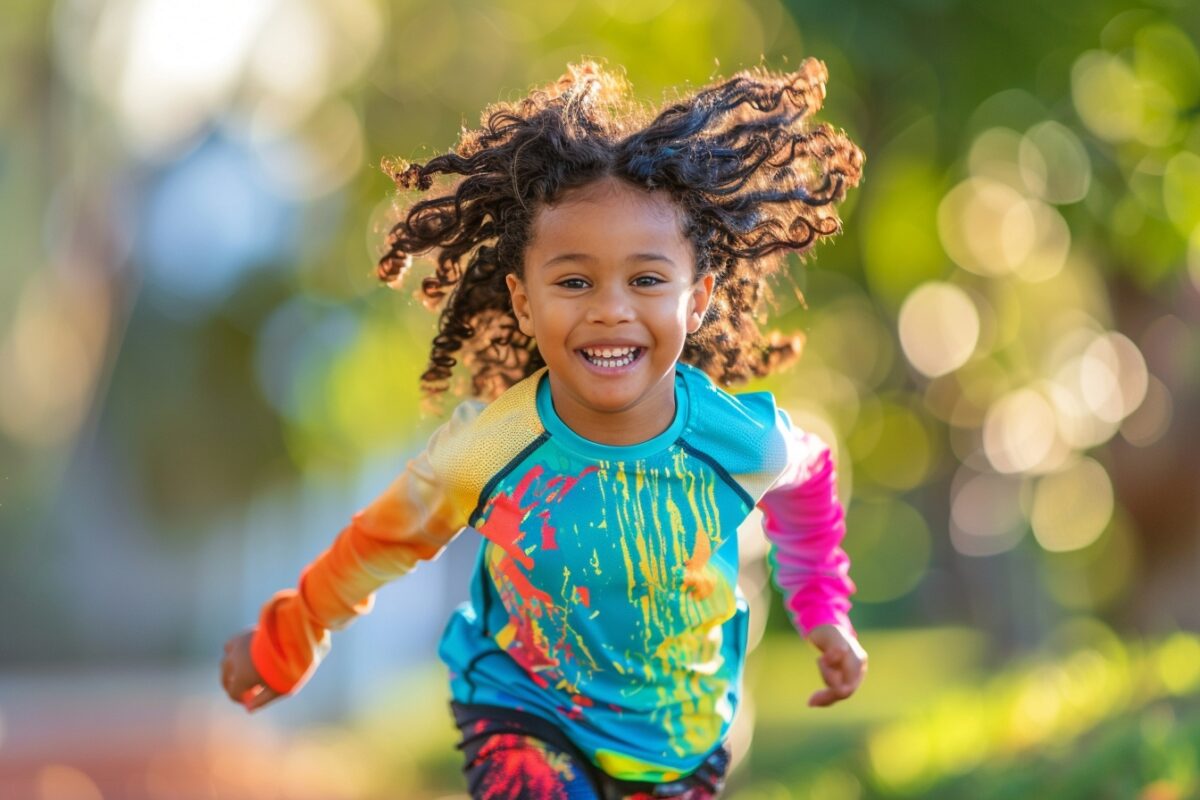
x: 839, y: 681
x: 834, y: 676
x: 264, y: 699
x: 851, y: 679
x: 830, y: 657
x: 240, y: 685
x: 835, y: 655
x: 823, y: 697
x: 830, y: 695
x: 828, y: 675
x: 254, y: 699
x: 833, y: 661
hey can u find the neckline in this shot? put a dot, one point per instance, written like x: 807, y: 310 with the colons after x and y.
x: 613, y: 452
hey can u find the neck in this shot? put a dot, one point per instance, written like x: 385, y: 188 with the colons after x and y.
x: 646, y: 419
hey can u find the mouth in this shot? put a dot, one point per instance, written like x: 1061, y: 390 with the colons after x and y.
x: 611, y: 357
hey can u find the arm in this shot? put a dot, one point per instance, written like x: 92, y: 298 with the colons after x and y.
x: 412, y: 520
x: 805, y: 522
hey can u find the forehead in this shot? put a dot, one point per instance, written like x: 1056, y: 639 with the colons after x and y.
x: 609, y: 214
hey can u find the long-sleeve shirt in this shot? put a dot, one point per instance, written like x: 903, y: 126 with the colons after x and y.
x: 604, y: 596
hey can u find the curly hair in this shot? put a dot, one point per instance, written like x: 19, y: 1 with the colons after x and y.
x: 752, y: 178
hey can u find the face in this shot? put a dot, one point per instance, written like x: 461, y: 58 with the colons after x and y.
x: 609, y: 294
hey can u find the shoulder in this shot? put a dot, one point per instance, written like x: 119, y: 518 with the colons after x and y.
x: 480, y: 438
x: 747, y: 433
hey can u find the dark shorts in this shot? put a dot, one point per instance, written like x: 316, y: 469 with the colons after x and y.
x: 511, y: 755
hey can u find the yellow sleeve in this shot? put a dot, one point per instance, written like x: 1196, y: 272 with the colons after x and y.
x: 412, y: 520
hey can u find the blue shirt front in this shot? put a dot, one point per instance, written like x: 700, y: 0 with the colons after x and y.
x: 605, y: 594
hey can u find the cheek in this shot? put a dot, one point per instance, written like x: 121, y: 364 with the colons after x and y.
x: 683, y: 308
x: 672, y: 316
x: 549, y: 318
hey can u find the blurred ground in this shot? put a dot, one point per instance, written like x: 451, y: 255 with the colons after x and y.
x: 1088, y: 718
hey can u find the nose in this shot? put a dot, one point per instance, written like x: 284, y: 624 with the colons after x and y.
x: 609, y: 304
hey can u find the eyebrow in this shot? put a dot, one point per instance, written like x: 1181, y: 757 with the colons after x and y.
x: 588, y: 258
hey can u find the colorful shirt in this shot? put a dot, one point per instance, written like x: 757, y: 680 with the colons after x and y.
x: 605, y: 593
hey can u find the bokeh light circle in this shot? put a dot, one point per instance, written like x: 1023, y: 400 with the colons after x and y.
x: 938, y: 327
x: 995, y: 155
x: 1107, y: 95
x: 1147, y: 424
x: 986, y: 226
x: 1071, y: 507
x: 892, y: 445
x: 1113, y: 377
x: 1181, y: 191
x: 1054, y: 163
x: 990, y: 228
x: 1019, y: 431
x: 985, y: 512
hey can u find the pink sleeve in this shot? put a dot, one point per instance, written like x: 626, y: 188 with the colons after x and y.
x: 805, y: 522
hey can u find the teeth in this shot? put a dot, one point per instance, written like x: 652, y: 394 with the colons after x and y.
x: 611, y: 357
x: 608, y: 352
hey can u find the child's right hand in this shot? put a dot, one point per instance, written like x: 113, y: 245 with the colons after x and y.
x: 240, y: 677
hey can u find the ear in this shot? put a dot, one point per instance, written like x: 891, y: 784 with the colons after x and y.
x: 702, y: 291
x: 520, y: 303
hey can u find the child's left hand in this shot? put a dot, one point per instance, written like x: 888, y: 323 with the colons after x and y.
x: 843, y: 664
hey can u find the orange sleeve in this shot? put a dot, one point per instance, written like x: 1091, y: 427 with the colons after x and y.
x: 412, y: 520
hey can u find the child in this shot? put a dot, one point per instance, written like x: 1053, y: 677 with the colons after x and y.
x: 599, y: 267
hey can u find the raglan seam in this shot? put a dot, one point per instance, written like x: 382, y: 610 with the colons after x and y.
x: 721, y: 472
x: 503, y: 472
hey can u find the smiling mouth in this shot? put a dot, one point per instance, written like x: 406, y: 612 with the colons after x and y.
x: 611, y: 357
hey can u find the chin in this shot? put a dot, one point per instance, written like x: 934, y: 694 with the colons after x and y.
x: 610, y: 405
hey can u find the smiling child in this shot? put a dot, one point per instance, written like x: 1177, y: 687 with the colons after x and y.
x: 599, y: 269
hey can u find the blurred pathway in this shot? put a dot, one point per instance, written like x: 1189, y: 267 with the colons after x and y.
x: 150, y: 735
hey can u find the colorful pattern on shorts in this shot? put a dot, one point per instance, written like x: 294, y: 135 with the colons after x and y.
x: 510, y: 755
x: 510, y: 766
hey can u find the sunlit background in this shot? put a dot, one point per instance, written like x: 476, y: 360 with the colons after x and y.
x: 200, y: 380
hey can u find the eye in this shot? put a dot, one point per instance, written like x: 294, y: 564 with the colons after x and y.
x: 647, y: 280
x: 573, y: 283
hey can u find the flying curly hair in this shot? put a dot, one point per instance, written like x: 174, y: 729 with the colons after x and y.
x: 752, y: 178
